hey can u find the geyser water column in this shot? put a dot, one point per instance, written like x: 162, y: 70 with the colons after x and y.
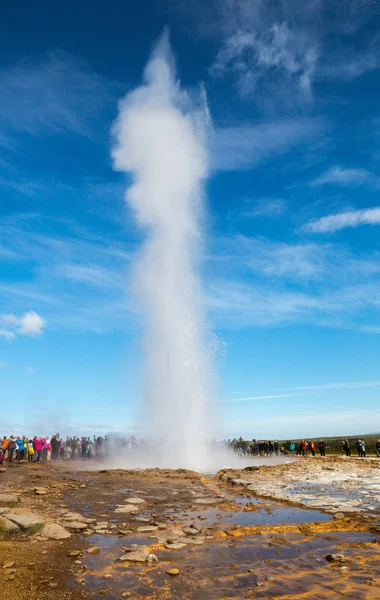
x: 159, y: 139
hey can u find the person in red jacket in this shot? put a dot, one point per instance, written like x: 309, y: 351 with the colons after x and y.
x: 312, y: 448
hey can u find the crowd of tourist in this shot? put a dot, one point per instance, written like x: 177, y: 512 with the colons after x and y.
x: 56, y: 448
x: 17, y: 449
x: 299, y: 448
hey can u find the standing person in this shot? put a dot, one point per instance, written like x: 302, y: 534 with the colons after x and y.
x: 12, y: 447
x: 378, y: 448
x: 303, y: 448
x: 292, y: 447
x: 38, y: 444
x: 322, y: 448
x: 30, y: 450
x: 312, y: 448
x: 5, y: 446
x: 61, y: 449
x: 20, y: 449
x: 363, y: 449
x: 346, y: 446
x: 358, y: 448
x: 276, y: 447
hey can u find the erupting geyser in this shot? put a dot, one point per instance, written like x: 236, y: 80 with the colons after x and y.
x: 160, y: 141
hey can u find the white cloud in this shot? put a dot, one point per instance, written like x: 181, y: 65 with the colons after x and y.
x: 29, y: 369
x: 242, y: 147
x: 331, y: 223
x: 8, y: 335
x: 342, y: 176
x: 30, y: 324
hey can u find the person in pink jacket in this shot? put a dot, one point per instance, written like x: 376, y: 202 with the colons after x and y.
x: 38, y: 444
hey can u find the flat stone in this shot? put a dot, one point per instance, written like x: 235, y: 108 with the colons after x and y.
x: 147, y: 529
x: 143, y: 519
x: 93, y: 550
x: 338, y: 515
x: 40, y: 491
x: 167, y: 536
x: 73, y: 516
x: 207, y: 500
x: 190, y: 531
x: 76, y: 525
x: 172, y: 572
x: 174, y: 546
x: 128, y: 509
x: 25, y: 520
x: 8, y: 498
x: 136, y: 501
x: 74, y: 553
x: 8, y: 565
x: 53, y: 531
x: 139, y: 555
x: 190, y: 540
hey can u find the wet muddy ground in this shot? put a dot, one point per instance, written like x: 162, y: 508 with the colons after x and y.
x: 197, y: 537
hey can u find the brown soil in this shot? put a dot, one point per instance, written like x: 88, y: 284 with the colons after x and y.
x: 261, y: 560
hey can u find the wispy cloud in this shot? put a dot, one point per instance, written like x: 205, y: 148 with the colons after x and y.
x: 341, y: 176
x: 249, y: 398
x: 54, y: 94
x: 331, y: 223
x: 239, y: 148
x: 340, y: 385
x: 275, y: 50
x: 251, y: 55
x: 270, y: 208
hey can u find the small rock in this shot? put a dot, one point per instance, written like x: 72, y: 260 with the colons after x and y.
x: 93, y: 550
x: 125, y: 594
x: 80, y: 580
x: 136, y: 501
x: 335, y: 558
x: 172, y: 572
x: 147, y: 529
x: 40, y: 491
x: 83, y: 485
x: 9, y: 564
x: 107, y: 576
x: 74, y: 553
x: 152, y: 558
x: 11, y: 577
x: 251, y: 571
x: 339, y: 515
x: 53, y: 584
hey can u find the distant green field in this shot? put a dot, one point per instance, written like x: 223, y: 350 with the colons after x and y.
x: 333, y: 444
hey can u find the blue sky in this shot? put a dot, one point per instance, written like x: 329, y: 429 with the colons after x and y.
x: 291, y: 267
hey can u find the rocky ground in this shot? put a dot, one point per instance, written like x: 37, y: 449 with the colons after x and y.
x: 157, y: 534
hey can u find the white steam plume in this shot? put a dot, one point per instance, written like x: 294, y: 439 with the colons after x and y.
x: 160, y: 140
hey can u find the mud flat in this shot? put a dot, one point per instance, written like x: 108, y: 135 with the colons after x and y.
x: 161, y: 534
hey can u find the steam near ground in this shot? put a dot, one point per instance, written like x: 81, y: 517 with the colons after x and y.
x: 159, y: 140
